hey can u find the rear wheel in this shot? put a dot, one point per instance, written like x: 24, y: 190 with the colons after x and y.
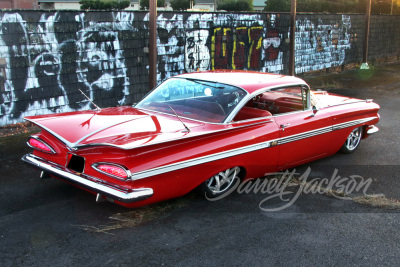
x: 221, y: 182
x: 352, y: 141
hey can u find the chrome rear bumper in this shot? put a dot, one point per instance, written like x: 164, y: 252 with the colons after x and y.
x: 372, y: 129
x: 93, y: 184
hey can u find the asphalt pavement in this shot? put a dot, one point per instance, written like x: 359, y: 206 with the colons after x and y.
x: 51, y: 223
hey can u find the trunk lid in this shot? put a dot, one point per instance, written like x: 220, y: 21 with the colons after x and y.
x: 112, y: 126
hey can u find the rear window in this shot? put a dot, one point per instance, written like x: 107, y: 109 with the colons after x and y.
x: 194, y: 99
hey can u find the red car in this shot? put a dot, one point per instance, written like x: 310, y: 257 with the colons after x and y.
x: 204, y: 129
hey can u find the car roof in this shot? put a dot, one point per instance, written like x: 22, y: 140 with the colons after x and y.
x: 251, y: 81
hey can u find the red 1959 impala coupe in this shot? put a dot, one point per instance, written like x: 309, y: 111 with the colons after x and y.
x: 204, y: 129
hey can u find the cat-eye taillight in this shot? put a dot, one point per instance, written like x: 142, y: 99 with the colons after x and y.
x: 113, y: 170
x: 40, y: 145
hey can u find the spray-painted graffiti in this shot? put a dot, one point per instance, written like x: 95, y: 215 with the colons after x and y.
x: 326, y: 46
x: 48, y: 61
x: 45, y: 57
x: 197, y: 55
x: 271, y: 44
x: 101, y: 64
x: 170, y: 45
x: 273, y: 38
x: 239, y: 48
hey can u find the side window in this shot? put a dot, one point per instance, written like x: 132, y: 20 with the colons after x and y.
x: 275, y: 102
x: 283, y: 100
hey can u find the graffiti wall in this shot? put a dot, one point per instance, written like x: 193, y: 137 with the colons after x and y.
x: 47, y: 57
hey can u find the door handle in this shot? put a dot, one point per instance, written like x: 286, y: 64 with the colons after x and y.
x: 283, y: 126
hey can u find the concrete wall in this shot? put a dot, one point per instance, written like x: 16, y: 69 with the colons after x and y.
x: 46, y: 56
x: 6, y: 4
x: 18, y: 4
x: 75, y: 6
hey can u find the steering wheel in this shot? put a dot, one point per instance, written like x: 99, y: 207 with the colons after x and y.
x: 233, y: 99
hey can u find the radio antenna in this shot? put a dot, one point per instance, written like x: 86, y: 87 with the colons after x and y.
x: 187, y: 128
x: 97, y: 107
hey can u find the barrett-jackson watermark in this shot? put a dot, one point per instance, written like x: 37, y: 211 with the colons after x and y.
x: 289, y: 185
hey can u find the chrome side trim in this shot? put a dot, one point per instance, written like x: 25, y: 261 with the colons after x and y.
x: 341, y: 104
x: 351, y: 123
x: 246, y: 149
x: 95, y: 185
x: 200, y: 160
x: 328, y: 129
x: 300, y: 136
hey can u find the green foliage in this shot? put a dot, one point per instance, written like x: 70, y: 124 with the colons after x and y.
x: 383, y: 7
x: 328, y: 6
x: 145, y: 4
x: 396, y: 9
x: 104, y: 4
x: 277, y: 5
x: 236, y: 5
x: 338, y: 6
x: 181, y: 4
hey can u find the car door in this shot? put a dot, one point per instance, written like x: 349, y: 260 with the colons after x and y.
x: 303, y: 134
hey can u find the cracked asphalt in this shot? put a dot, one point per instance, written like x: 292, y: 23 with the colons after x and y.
x: 48, y: 222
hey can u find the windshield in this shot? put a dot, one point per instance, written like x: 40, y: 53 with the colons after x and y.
x: 194, y: 99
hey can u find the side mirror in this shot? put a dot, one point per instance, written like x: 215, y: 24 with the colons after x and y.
x: 314, y: 111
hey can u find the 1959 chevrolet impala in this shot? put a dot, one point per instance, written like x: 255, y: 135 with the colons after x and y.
x: 200, y: 130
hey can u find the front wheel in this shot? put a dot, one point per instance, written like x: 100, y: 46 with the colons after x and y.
x: 352, y: 141
x: 221, y: 182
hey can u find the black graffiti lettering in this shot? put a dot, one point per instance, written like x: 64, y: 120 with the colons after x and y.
x: 191, y: 61
x: 190, y: 42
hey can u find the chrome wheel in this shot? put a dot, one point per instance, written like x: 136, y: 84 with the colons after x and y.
x: 221, y: 182
x: 352, y: 141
